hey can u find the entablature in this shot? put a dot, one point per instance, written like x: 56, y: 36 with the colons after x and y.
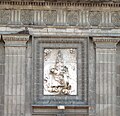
x: 60, y: 14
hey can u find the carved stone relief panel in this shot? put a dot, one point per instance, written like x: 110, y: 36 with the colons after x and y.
x: 50, y: 17
x: 72, y: 17
x: 4, y: 16
x: 60, y: 72
x: 26, y: 17
x: 95, y: 18
x: 116, y: 18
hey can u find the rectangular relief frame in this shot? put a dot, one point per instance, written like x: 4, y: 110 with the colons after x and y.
x: 60, y: 71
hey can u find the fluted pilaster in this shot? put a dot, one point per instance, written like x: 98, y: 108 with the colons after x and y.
x: 105, y: 75
x: 1, y: 77
x: 15, y: 58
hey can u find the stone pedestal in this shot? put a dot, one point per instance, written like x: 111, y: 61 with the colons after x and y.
x: 105, y: 76
x: 15, y: 58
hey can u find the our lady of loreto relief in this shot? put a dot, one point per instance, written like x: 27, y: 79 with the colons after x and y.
x: 58, y: 82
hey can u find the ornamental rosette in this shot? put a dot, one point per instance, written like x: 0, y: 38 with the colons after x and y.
x: 26, y: 17
x: 72, y: 18
x: 95, y: 18
x: 49, y: 17
x: 116, y: 18
x: 4, y: 16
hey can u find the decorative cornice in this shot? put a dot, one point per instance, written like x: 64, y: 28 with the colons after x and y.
x: 76, y: 4
x: 61, y: 39
x: 106, y: 39
x: 16, y: 37
x: 106, y: 42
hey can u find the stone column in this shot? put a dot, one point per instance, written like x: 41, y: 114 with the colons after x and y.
x: 14, y: 90
x: 105, y: 76
x: 28, y: 82
x: 1, y: 77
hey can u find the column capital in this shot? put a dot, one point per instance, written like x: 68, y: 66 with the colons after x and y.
x: 15, y: 39
x: 106, y: 42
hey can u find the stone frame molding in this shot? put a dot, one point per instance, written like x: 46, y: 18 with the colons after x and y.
x: 39, y: 43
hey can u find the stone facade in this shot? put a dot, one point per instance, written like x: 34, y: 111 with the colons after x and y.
x: 59, y: 58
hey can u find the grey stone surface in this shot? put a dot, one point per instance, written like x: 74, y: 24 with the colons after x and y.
x: 19, y: 91
x: 118, y: 80
x: 105, y: 77
x: 1, y: 78
x: 14, y: 103
x: 28, y: 80
x: 82, y: 19
x: 58, y: 25
x: 91, y: 77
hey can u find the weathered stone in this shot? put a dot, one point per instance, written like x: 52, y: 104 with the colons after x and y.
x: 106, y: 84
x: 15, y: 68
x: 89, y: 27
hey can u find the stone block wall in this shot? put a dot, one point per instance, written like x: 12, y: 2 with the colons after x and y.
x: 16, y: 68
x: 100, y: 68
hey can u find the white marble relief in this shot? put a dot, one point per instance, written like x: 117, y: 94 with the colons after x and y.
x: 60, y: 72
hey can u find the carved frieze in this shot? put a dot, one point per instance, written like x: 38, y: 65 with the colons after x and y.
x: 26, y: 17
x: 4, y: 16
x: 116, y: 18
x: 72, y: 17
x: 49, y: 17
x: 55, y: 17
x: 95, y: 18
